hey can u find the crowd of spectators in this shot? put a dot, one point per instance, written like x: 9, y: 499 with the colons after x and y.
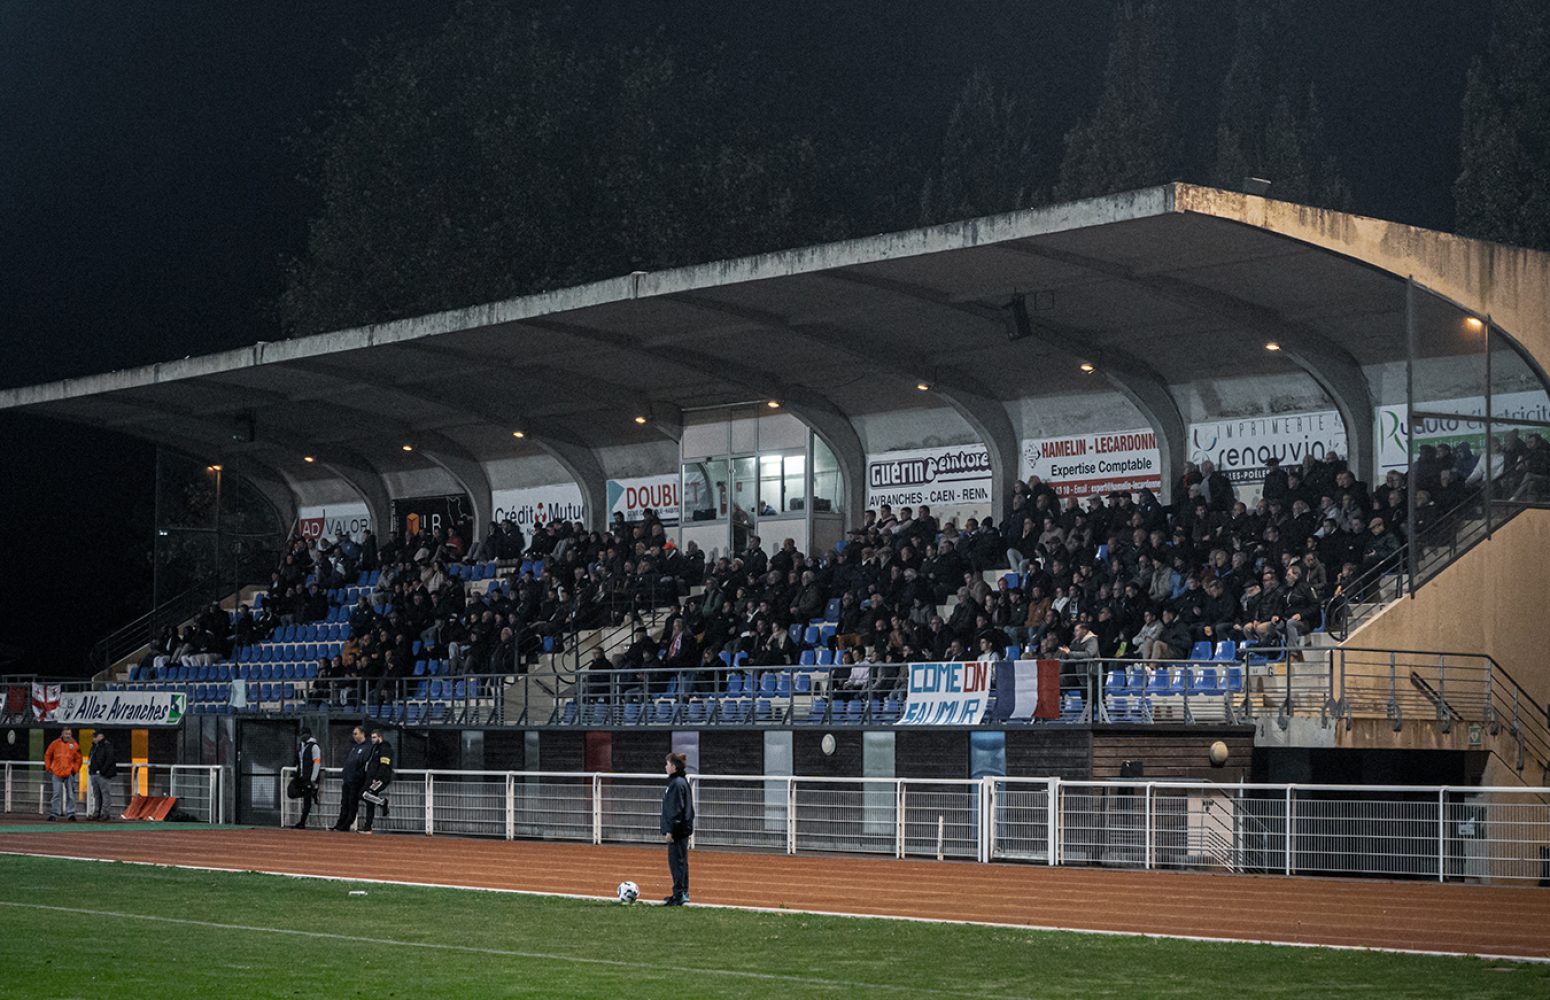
x: 1116, y: 575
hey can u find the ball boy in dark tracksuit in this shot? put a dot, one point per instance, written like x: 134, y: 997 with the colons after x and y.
x: 354, y: 778
x: 379, y: 774
x: 677, y: 826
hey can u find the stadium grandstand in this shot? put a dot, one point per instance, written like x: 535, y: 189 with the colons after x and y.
x: 1068, y: 494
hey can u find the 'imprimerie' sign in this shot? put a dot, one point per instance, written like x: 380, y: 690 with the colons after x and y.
x: 121, y: 708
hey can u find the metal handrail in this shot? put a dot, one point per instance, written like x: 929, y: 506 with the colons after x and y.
x: 176, y: 610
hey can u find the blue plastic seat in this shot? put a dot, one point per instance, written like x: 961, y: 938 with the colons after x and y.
x: 419, y: 668
x: 810, y: 637
x: 568, y: 717
x: 697, y: 712
x: 808, y: 658
x: 825, y: 657
x: 826, y: 633
x: 734, y: 684
x: 1200, y: 650
x: 632, y: 713
x: 804, y: 684
x: 795, y: 631
x: 852, y: 715
x: 1226, y: 651
x: 1207, y: 682
x: 831, y: 611
x: 1013, y: 652
x: 1234, y: 680
x: 767, y: 685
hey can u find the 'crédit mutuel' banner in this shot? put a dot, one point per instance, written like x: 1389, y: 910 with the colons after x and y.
x: 94, y: 709
x: 946, y: 694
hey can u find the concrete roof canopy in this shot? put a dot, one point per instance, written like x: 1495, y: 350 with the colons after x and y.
x: 1158, y: 288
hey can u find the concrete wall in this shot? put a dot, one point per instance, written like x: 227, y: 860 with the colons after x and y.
x: 1491, y: 601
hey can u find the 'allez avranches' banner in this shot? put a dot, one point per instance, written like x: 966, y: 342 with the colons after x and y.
x: 946, y: 694
x: 121, y: 708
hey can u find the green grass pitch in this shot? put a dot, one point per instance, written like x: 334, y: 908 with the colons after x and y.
x: 88, y: 929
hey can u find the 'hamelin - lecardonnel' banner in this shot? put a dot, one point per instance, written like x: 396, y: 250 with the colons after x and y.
x: 947, y: 694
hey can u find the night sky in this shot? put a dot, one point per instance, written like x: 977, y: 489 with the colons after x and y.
x: 150, y: 188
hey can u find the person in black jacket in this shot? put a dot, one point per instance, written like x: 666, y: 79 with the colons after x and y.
x: 102, y: 768
x: 354, y: 778
x: 309, y: 774
x: 677, y: 827
x: 379, y: 774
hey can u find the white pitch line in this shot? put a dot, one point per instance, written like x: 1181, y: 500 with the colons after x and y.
x: 538, y: 956
x: 1000, y: 925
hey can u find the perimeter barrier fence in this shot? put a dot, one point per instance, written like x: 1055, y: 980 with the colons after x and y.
x: 1442, y: 833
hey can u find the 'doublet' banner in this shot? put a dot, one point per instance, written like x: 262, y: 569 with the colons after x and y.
x: 1027, y: 689
x: 946, y: 694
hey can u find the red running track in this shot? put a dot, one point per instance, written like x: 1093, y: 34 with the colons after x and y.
x: 1423, y: 916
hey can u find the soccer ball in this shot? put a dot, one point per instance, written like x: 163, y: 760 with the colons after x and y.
x: 628, y: 892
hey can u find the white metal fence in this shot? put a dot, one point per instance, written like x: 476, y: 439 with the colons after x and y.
x: 198, y: 788
x: 1444, y: 833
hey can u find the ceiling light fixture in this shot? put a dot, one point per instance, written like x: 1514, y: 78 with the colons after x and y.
x: 773, y: 404
x: 408, y: 447
x: 1473, y: 324
x: 308, y: 459
x: 1272, y: 346
x: 519, y: 434
x: 640, y: 420
x: 1087, y: 367
x: 923, y: 386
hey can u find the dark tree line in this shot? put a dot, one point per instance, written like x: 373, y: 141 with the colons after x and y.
x: 506, y: 154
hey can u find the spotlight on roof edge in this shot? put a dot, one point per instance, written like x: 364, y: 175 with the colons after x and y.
x: 408, y: 447
x: 308, y: 459
x: 923, y: 386
x: 1272, y: 346
x: 519, y: 434
x: 1473, y: 324
x: 1087, y: 367
x: 640, y: 420
x: 773, y: 404
x: 213, y: 468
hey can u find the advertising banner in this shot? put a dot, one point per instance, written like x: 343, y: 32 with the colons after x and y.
x: 539, y: 505
x: 1393, y: 436
x: 1027, y: 689
x: 946, y: 694
x: 632, y: 497
x: 415, y: 516
x: 1080, y: 465
x: 121, y: 708
x: 353, y: 519
x: 1240, y: 447
x: 947, y: 477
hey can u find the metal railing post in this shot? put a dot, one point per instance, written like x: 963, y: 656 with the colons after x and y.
x: 1288, y: 831
x: 1052, y: 823
x: 7, y: 786
x: 430, y: 803
x: 1442, y: 690
x: 1147, y: 826
x: 900, y: 805
x: 987, y: 819
x: 213, y: 782
x: 1442, y: 833
x: 791, y: 814
x: 597, y: 808
x: 511, y: 805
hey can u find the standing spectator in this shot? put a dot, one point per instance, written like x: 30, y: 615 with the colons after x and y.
x: 309, y: 773
x: 677, y: 826
x: 63, y: 761
x: 354, y: 778
x: 379, y: 774
x: 103, y: 768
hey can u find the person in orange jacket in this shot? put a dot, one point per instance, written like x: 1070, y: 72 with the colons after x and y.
x: 63, y: 760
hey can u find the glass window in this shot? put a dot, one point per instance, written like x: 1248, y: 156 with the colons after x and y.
x: 828, y: 484
x: 705, y: 490
x: 745, y: 500
x: 782, y: 486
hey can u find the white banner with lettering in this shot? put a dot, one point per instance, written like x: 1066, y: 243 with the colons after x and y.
x: 1240, y: 447
x: 538, y: 505
x: 1393, y: 436
x: 1080, y: 465
x: 351, y: 519
x: 632, y: 497
x: 95, y: 709
x: 958, y: 476
x: 946, y: 694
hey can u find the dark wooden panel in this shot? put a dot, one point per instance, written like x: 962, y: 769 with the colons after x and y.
x: 810, y: 761
x: 927, y: 753
x: 1049, y: 753
x: 1178, y: 754
x: 731, y: 751
x: 559, y: 750
x: 504, y: 749
x: 641, y: 751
